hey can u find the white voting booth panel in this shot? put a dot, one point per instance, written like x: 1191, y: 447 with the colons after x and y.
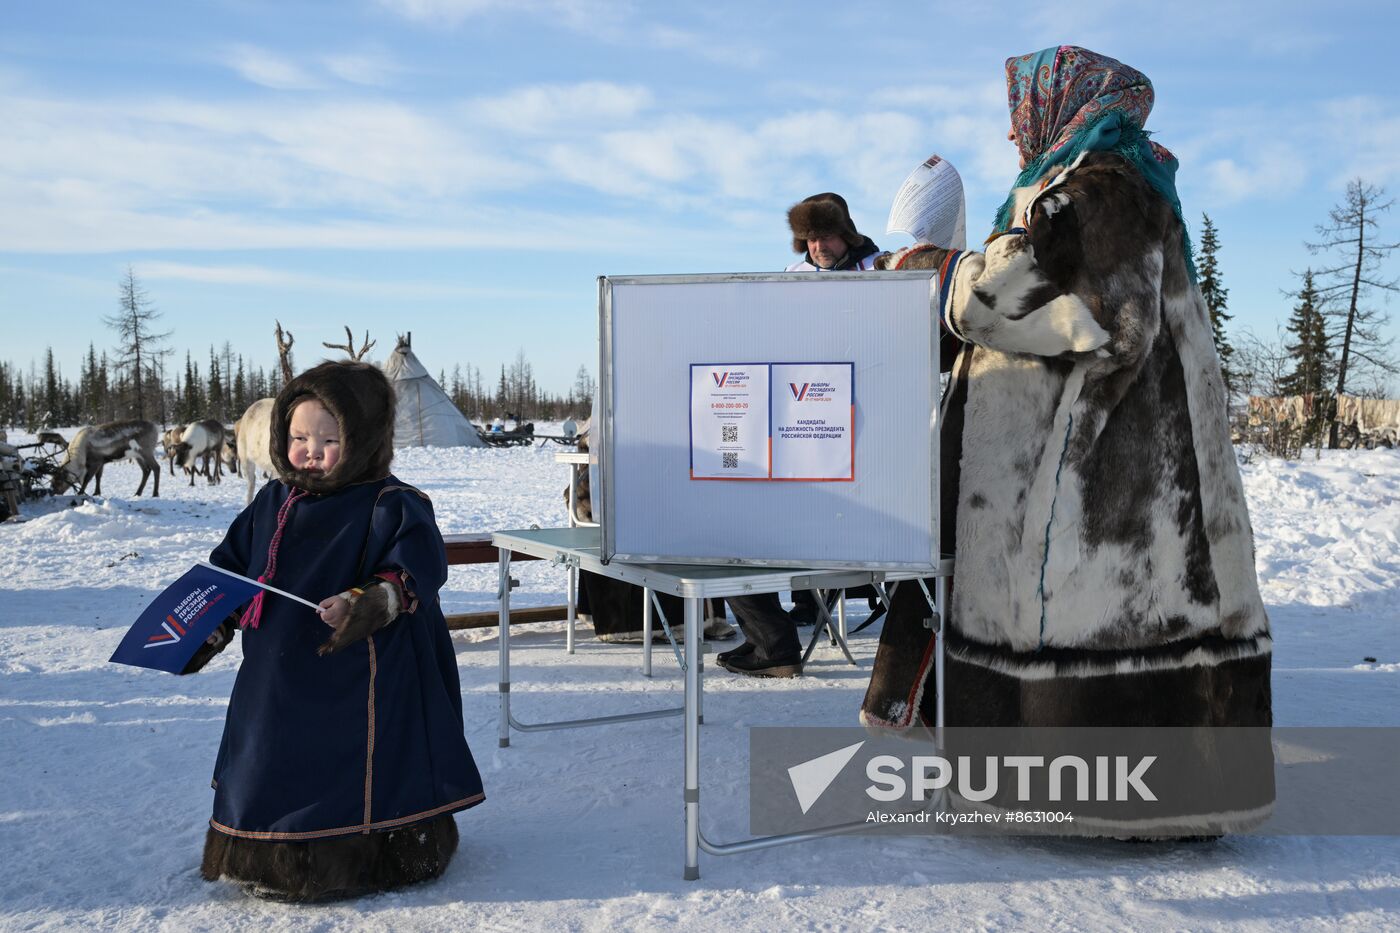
x: 881, y: 513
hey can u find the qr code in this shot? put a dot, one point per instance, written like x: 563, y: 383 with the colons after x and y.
x: 730, y: 433
x: 731, y: 461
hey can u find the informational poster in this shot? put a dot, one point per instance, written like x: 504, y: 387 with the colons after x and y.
x: 772, y: 421
x: 729, y: 405
x: 813, y: 421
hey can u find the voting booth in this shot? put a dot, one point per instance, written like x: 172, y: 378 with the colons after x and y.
x: 769, y: 419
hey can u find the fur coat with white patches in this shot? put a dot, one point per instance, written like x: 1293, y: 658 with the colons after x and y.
x: 1104, y: 559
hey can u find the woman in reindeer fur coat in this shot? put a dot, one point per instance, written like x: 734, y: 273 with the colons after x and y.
x: 1105, y: 570
x: 343, y: 757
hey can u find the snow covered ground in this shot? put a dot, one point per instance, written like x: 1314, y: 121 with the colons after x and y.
x: 104, y: 770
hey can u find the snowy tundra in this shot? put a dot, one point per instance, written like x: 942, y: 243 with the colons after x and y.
x: 105, y: 788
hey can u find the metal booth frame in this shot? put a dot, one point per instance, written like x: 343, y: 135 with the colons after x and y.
x: 580, y: 549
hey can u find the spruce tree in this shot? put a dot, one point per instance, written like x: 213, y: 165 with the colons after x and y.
x: 194, y: 395
x: 53, y: 402
x: 104, y: 391
x: 90, y: 389
x: 6, y: 395
x: 1313, y: 365
x: 214, y: 398
x: 240, y: 391
x: 1215, y: 295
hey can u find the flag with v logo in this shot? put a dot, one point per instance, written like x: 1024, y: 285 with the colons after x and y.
x: 179, y: 620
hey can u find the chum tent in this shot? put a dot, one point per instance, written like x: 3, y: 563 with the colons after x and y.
x: 426, y: 417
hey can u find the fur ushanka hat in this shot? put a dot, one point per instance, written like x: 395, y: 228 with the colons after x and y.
x: 362, y: 400
x: 820, y: 215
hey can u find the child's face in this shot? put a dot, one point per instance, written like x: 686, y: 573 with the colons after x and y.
x: 313, y: 438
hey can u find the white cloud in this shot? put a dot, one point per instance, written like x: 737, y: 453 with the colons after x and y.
x: 449, y: 12
x: 1270, y: 175
x: 1371, y: 128
x: 943, y: 98
x: 285, y: 280
x: 619, y: 22
x: 268, y: 69
x: 571, y: 13
x: 365, y: 68
x: 725, y: 48
x: 1328, y: 140
x: 353, y: 170
x: 546, y: 108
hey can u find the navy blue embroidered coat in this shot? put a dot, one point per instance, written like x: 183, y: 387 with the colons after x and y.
x: 371, y: 736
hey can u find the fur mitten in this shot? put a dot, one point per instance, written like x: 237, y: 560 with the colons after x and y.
x: 371, y: 608
x: 213, y: 645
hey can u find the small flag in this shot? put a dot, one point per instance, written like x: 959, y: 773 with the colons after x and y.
x: 183, y: 616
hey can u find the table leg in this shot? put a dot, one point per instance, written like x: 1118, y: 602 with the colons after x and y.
x: 646, y: 631
x: 841, y: 615
x: 941, y: 589
x: 572, y: 611
x: 691, y: 795
x: 504, y: 642
x: 700, y: 665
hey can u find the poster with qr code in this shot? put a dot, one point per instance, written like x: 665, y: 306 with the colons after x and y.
x: 729, y: 405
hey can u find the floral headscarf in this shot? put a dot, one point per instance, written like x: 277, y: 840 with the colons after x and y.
x: 1068, y: 100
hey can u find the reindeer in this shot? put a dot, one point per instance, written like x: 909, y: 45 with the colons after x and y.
x: 168, y: 440
x: 253, y: 433
x: 202, y: 439
x: 229, y: 454
x: 93, y: 448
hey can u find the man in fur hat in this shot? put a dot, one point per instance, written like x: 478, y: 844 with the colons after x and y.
x: 823, y: 231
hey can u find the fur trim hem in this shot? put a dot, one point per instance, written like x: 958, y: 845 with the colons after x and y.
x: 1050, y: 663
x: 359, y: 828
x: 330, y: 869
x: 1232, y: 691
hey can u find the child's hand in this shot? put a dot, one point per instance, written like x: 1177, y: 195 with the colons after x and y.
x: 335, y: 611
x: 358, y: 613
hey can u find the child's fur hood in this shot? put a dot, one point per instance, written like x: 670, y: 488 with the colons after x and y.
x: 362, y: 400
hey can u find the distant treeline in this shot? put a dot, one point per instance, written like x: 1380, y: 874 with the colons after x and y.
x: 226, y: 384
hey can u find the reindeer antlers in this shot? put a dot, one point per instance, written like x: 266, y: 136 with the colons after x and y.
x: 349, y: 345
x: 284, y: 353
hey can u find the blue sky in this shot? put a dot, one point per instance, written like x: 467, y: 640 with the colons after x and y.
x: 464, y: 169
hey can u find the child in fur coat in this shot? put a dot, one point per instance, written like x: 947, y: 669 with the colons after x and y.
x: 343, y: 756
